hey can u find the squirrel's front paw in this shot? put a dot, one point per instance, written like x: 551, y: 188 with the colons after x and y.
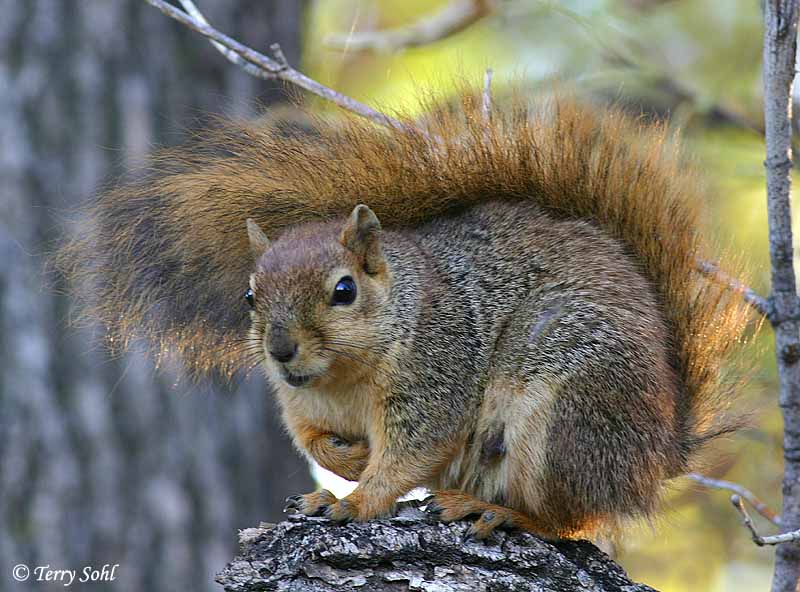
x: 345, y: 458
x: 343, y: 510
x: 310, y: 504
x: 324, y: 503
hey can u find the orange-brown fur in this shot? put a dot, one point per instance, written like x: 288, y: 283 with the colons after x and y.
x: 168, y: 257
x: 346, y: 459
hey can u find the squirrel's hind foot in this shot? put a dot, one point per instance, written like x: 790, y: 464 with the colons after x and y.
x: 452, y: 505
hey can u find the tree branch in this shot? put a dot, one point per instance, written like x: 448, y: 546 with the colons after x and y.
x: 777, y: 539
x: 758, y: 505
x: 269, y: 68
x: 758, y: 302
x: 454, y: 17
x: 411, y: 553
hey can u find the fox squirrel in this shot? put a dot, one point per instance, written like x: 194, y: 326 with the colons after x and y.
x: 505, y: 310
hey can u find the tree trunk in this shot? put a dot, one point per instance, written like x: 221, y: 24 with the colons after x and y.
x: 780, y: 48
x: 106, y: 461
x: 410, y: 553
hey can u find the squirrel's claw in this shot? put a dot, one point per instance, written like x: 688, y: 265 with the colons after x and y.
x: 292, y: 502
x: 310, y: 504
x: 483, y: 526
x: 448, y: 506
x: 469, y: 535
x: 433, y: 508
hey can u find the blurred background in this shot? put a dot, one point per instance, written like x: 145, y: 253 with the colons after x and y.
x: 106, y: 460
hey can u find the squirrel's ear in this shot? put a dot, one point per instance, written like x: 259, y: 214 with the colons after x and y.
x: 361, y: 235
x: 258, y: 240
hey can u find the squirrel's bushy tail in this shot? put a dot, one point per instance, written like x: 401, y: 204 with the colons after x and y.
x: 166, y: 257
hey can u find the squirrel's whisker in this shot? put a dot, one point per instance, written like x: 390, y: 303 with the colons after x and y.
x: 354, y: 358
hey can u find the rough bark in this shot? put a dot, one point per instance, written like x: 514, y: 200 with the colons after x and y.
x: 411, y: 553
x: 780, y: 47
x: 104, y: 460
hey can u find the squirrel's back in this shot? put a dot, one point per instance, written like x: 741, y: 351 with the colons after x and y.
x: 576, y: 365
x: 166, y: 255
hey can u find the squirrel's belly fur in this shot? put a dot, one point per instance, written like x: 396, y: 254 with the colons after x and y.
x: 516, y: 320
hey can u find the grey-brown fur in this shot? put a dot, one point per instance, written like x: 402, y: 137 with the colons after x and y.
x: 614, y: 435
x: 505, y: 295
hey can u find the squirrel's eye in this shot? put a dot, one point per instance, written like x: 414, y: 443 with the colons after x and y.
x: 344, y: 292
x: 250, y: 296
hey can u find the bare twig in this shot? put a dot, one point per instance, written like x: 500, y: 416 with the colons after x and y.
x: 251, y: 69
x: 455, y: 17
x: 279, y: 55
x: 275, y: 67
x: 748, y: 522
x: 777, y: 539
x: 758, y: 505
x: 758, y: 302
x: 486, y: 99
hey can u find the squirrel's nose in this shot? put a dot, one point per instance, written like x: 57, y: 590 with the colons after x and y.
x: 284, y: 355
x: 282, y: 347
